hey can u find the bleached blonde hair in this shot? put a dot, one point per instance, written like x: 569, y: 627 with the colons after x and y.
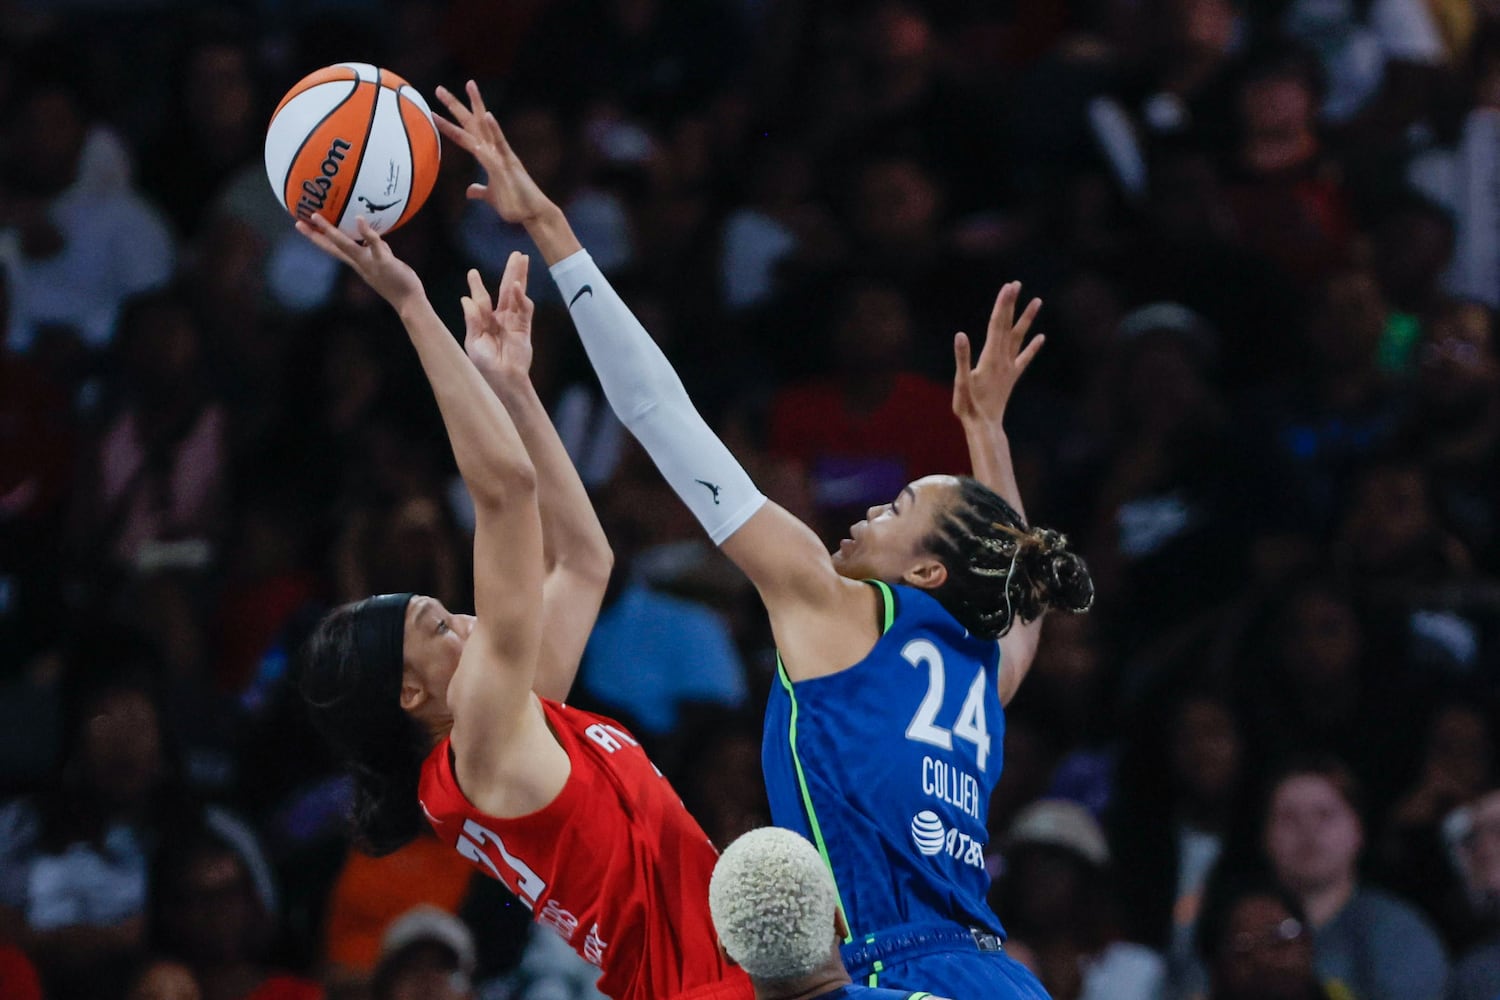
x: 773, y: 903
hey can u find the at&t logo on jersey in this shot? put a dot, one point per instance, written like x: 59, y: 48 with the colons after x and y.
x: 927, y: 831
x: 933, y: 838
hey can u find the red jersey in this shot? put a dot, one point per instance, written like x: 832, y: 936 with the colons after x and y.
x: 614, y: 864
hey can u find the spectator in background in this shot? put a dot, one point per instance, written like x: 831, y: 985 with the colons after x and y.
x: 87, y: 240
x: 164, y: 979
x: 206, y: 912
x: 1287, y: 198
x: 217, y: 128
x: 1417, y: 853
x: 715, y: 763
x: 1313, y: 680
x: 873, y: 424
x: 37, y: 439
x: 370, y: 893
x: 1056, y: 894
x: 154, y: 486
x: 1455, y: 423
x: 426, y: 955
x: 1181, y: 789
x: 781, y: 226
x: 1166, y: 495
x: 1390, y: 538
x: 1258, y: 945
x: 1413, y: 246
x: 1377, y: 944
x: 1337, y: 413
x: 679, y: 650
x: 74, y: 860
x: 1472, y: 834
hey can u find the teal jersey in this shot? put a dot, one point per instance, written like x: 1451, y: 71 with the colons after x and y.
x: 887, y: 767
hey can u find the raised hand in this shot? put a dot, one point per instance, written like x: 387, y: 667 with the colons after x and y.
x: 982, y: 391
x: 390, y: 276
x: 498, y: 335
x: 510, y: 190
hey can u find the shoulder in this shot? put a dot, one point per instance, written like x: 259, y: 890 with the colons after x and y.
x: 1387, y: 914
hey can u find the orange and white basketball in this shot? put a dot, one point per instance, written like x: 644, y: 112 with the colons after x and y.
x: 349, y: 140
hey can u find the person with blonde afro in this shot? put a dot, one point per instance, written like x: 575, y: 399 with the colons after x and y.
x: 777, y: 917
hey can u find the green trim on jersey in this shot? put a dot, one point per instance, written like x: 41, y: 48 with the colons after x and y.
x: 888, y: 602
x: 888, y: 605
x: 812, y: 816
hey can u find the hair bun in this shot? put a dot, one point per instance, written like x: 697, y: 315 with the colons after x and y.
x: 1058, y: 576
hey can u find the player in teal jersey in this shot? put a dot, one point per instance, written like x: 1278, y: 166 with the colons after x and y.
x: 884, y: 741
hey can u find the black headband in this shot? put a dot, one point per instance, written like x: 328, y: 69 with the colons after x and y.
x: 379, y: 628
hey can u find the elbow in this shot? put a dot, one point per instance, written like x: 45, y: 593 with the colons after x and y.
x: 505, y: 483
x: 599, y: 562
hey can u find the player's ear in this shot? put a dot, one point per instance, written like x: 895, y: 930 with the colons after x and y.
x: 926, y: 574
x: 412, y: 691
x: 840, y: 925
x: 724, y: 951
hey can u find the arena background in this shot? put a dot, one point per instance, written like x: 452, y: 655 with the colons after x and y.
x: 1268, y: 239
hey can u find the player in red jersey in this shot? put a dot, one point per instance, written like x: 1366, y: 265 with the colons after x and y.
x: 460, y: 717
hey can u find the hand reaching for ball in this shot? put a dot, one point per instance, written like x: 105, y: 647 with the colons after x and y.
x: 510, y: 191
x: 372, y: 259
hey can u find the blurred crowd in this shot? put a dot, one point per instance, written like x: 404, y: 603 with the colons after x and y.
x: 1267, y: 233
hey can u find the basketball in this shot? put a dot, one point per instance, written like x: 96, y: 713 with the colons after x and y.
x: 349, y: 140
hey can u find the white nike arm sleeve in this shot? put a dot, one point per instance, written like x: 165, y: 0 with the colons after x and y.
x: 650, y: 401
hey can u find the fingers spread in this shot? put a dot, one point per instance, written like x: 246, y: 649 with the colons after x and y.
x: 1027, y: 356
x: 961, y: 352
x: 475, y: 100
x: 477, y: 292
x: 323, y: 242
x: 1005, y: 304
x: 371, y: 239
x: 455, y: 107
x: 453, y: 133
x: 1024, y: 323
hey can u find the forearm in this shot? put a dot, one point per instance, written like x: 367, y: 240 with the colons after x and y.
x: 650, y: 401
x: 571, y: 533
x: 485, y: 442
x: 989, y: 455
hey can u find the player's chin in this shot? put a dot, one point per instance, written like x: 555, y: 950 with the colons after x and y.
x: 843, y: 559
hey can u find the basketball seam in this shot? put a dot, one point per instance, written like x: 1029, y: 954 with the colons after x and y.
x: 408, y: 210
x: 292, y: 163
x: 363, y: 148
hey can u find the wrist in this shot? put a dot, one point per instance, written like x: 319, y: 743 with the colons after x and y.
x: 411, y: 305
x: 983, y: 425
x: 553, y: 236
x: 508, y: 383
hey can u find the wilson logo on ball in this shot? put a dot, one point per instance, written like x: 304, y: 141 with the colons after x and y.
x: 352, y: 140
x: 315, y: 191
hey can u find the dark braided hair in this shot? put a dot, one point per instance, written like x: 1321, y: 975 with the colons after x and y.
x: 998, y: 568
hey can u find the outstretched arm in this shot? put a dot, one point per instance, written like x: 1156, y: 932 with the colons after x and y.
x: 490, y: 692
x: 576, y: 553
x: 810, y: 605
x: 980, y: 395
